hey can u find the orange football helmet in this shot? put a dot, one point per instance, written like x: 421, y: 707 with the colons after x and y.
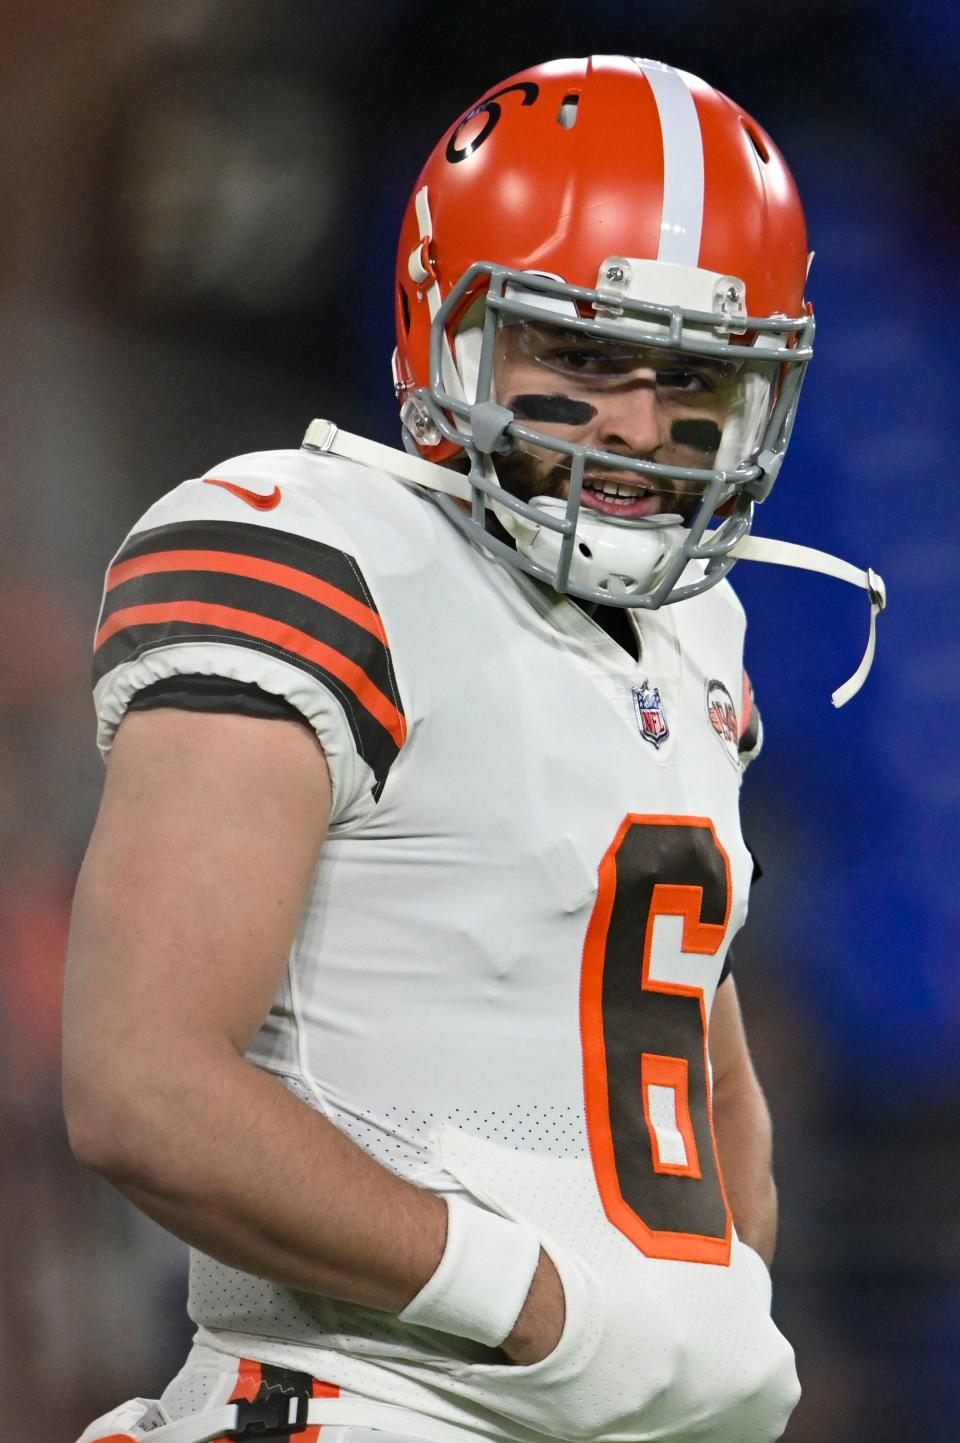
x: 643, y: 214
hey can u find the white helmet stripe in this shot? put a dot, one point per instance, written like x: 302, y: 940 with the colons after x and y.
x: 681, y: 221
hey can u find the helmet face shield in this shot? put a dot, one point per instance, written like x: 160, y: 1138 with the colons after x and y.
x: 679, y: 411
x: 626, y: 412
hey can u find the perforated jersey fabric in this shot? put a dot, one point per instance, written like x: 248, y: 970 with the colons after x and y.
x: 512, y: 943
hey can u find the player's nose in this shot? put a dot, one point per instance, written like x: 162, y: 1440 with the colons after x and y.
x: 629, y: 420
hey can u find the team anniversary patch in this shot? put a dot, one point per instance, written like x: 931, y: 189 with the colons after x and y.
x: 722, y: 716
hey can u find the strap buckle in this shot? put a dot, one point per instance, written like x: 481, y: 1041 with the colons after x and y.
x: 278, y: 1410
x: 876, y: 589
x: 320, y: 435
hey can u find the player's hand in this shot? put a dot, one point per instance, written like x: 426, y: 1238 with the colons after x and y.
x: 537, y: 1330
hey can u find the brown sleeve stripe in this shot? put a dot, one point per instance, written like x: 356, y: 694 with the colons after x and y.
x: 235, y: 564
x: 237, y: 584
x: 261, y: 628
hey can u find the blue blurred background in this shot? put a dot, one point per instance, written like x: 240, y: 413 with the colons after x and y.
x: 200, y: 200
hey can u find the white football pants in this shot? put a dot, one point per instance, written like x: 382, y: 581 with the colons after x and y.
x: 215, y: 1393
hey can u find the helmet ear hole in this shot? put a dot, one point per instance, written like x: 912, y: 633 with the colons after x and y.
x: 756, y: 139
x: 404, y: 310
x: 567, y: 114
x: 584, y: 550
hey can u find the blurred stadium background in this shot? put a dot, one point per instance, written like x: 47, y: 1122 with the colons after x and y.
x: 200, y: 200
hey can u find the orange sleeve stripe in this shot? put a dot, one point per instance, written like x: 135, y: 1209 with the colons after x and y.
x: 290, y: 638
x: 746, y: 705
x: 255, y: 567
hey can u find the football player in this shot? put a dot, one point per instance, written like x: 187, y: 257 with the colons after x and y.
x: 399, y: 981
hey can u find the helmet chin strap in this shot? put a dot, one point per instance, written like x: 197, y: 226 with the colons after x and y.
x: 326, y: 436
x: 608, y: 557
x: 807, y: 558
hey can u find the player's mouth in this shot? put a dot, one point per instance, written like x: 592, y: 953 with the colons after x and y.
x: 625, y: 499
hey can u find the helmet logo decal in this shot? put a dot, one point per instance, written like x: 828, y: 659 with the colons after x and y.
x: 493, y: 112
x: 650, y: 716
x: 562, y: 409
x: 722, y: 716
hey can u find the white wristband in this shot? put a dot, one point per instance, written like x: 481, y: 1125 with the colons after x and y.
x: 483, y: 1278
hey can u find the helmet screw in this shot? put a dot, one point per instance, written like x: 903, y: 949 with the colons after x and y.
x: 614, y: 273
x: 732, y: 293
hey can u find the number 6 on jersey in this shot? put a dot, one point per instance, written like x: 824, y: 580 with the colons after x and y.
x: 646, y: 1073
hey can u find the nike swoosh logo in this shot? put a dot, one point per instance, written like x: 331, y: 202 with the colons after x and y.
x: 252, y: 498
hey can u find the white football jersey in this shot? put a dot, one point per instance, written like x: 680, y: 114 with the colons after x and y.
x: 503, y: 975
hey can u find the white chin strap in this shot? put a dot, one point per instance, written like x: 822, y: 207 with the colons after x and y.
x: 807, y: 558
x: 652, y: 545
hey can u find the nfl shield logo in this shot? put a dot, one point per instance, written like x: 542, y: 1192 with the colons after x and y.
x: 650, y: 717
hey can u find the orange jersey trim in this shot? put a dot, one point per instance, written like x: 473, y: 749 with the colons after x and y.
x: 237, y: 564
x: 289, y: 638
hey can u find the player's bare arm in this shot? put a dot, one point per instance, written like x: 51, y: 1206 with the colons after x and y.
x: 742, y: 1125
x: 187, y: 905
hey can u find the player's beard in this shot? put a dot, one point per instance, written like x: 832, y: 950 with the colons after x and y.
x: 528, y: 473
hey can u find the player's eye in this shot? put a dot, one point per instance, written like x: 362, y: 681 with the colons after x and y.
x: 587, y: 361
x: 687, y: 383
